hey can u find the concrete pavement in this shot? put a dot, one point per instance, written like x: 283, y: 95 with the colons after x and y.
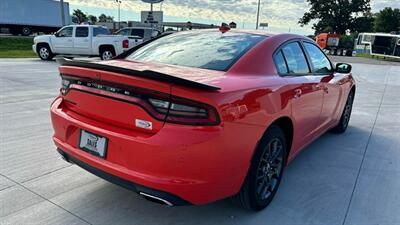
x: 347, y: 179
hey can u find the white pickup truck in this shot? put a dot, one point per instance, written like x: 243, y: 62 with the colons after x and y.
x: 82, y: 40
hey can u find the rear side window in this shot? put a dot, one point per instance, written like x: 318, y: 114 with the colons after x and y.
x: 100, y: 31
x: 82, y: 32
x: 295, y: 59
x: 319, y: 61
x: 208, y: 50
x: 280, y: 63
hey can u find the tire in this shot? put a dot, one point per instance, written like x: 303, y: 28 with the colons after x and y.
x: 346, y: 114
x: 26, y: 31
x: 265, y: 174
x: 107, y: 53
x: 44, y: 52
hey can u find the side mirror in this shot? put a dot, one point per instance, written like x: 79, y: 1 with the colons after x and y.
x: 56, y: 34
x: 343, y: 68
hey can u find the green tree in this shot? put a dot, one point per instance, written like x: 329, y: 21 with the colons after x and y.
x: 110, y: 19
x: 364, y: 24
x: 81, y: 16
x: 335, y: 15
x: 387, y: 20
x: 104, y: 18
x: 92, y: 19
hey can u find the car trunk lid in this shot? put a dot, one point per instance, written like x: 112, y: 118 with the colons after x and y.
x: 121, y: 93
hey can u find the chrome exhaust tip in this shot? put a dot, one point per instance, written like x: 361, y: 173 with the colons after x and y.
x: 156, y: 199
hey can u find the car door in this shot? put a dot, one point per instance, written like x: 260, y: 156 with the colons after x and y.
x: 82, y: 41
x: 302, y: 86
x: 330, y: 84
x: 62, y: 41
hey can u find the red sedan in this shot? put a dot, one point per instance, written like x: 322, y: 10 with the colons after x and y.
x: 198, y: 116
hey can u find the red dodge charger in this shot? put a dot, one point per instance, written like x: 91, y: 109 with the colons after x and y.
x: 198, y: 116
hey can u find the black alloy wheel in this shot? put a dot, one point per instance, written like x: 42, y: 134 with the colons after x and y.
x: 345, y: 118
x: 269, y: 169
x: 265, y: 172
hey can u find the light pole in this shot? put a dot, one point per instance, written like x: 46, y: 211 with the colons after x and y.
x: 119, y: 13
x: 258, y: 13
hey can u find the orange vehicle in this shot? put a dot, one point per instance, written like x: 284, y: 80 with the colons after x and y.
x: 330, y: 44
x: 328, y: 41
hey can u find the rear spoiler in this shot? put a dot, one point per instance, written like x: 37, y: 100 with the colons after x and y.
x: 149, y: 74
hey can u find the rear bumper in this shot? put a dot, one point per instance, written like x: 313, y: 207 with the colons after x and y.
x: 196, y: 164
x: 34, y: 48
x: 170, y: 199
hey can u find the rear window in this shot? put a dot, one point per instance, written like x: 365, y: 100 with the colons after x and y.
x: 206, y: 50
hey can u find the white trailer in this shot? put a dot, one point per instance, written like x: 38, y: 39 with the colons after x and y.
x: 378, y: 44
x: 28, y: 16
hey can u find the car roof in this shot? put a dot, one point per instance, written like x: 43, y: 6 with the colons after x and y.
x: 144, y: 28
x: 86, y: 25
x: 282, y: 36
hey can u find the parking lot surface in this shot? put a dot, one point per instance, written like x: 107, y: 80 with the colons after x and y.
x: 348, y: 179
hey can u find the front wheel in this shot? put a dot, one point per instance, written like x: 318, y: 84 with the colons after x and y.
x: 265, y: 171
x: 45, y: 53
x: 345, y: 118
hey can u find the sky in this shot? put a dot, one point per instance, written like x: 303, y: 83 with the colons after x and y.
x: 281, y: 15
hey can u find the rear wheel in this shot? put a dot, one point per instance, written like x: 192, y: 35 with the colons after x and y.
x: 345, y: 118
x: 265, y: 172
x: 107, y: 53
x: 26, y: 31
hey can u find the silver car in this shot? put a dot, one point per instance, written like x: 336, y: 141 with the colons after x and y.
x: 141, y: 34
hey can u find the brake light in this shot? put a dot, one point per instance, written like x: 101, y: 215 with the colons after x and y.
x: 183, y: 111
x: 224, y: 28
x: 125, y: 43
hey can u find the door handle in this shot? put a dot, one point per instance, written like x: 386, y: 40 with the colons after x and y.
x: 322, y: 87
x: 297, y: 93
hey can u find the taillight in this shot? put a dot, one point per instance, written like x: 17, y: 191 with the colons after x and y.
x: 183, y: 111
x: 161, y: 106
x: 125, y: 43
